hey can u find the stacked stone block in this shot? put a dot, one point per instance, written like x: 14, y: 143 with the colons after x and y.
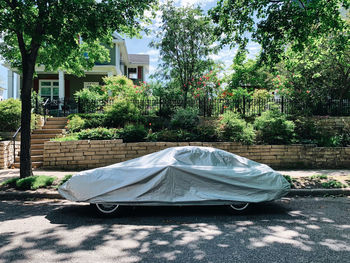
x: 6, y: 153
x: 91, y: 154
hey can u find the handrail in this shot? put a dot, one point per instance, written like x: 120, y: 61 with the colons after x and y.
x: 16, y: 133
x: 44, y: 105
x: 14, y: 143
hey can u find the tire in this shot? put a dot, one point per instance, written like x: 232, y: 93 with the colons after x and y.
x: 238, y: 208
x: 106, y: 209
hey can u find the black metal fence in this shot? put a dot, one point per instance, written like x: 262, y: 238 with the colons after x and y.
x: 207, y: 107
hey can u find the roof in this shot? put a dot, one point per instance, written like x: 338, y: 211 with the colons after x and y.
x: 138, y: 59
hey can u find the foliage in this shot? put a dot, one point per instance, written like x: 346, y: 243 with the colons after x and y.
x: 66, y: 138
x: 75, y: 124
x: 172, y: 136
x: 37, y: 103
x: 123, y: 88
x: 30, y: 183
x: 319, y: 176
x: 98, y: 134
x: 10, y: 114
x: 47, y: 33
x: 273, y: 127
x: 186, y: 119
x: 333, y: 184
x: 248, y: 74
x: 278, y: 24
x: 233, y: 128
x: 89, y: 100
x: 91, y: 120
x: 133, y: 133
x: 206, y: 133
x: 185, y: 40
x: 120, y: 113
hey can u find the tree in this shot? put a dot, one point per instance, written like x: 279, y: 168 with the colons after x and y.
x: 277, y: 24
x: 46, y: 32
x: 185, y: 41
x: 249, y: 74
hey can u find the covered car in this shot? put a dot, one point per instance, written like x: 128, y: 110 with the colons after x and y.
x: 177, y: 176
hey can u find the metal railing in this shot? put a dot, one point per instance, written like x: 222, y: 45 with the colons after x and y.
x: 206, y: 106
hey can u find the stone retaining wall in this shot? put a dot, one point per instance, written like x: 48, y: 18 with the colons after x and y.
x: 90, y: 154
x: 6, y: 153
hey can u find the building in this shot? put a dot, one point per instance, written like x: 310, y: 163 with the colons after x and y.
x: 59, y: 85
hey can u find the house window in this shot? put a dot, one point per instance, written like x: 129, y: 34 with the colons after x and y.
x: 90, y: 84
x: 49, y: 89
x: 132, y: 73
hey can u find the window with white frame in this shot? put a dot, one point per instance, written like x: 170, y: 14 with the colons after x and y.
x: 49, y: 89
x: 132, y: 73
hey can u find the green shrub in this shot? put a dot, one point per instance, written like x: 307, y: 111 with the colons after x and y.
x: 10, y: 114
x: 75, y: 124
x: 34, y: 182
x: 333, y: 184
x: 89, y: 100
x: 172, y: 136
x: 206, y: 133
x: 120, y: 113
x: 273, y: 127
x: 91, y: 120
x: 186, y: 119
x: 133, y: 133
x: 98, y: 134
x: 289, y: 179
x: 66, y: 138
x: 233, y: 128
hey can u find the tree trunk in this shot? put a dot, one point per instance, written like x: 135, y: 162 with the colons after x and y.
x: 26, y: 90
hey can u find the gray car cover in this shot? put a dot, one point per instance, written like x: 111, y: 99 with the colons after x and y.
x: 178, y: 176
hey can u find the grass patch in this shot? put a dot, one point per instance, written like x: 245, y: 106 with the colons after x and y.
x: 30, y: 183
x: 10, y: 182
x: 319, y: 176
x: 333, y: 184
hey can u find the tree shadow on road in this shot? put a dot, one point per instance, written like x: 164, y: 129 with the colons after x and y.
x: 272, y: 232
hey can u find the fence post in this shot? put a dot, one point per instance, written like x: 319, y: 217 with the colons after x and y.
x: 243, y: 105
x: 79, y: 107
x: 282, y: 104
x: 36, y: 105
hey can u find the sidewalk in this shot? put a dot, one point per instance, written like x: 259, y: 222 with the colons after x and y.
x: 53, y: 194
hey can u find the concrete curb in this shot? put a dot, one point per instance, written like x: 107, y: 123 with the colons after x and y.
x: 49, y: 194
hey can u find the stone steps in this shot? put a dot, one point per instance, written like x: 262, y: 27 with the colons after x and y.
x: 53, y: 127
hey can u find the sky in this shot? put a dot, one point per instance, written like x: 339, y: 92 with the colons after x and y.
x: 140, y: 46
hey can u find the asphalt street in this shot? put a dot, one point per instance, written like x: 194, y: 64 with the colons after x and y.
x: 288, y: 230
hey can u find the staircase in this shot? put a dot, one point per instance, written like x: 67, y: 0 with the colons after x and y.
x: 53, y: 127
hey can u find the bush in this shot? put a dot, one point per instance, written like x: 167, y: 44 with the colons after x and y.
x: 186, y: 119
x: 66, y: 138
x: 233, y: 128
x: 206, y: 133
x: 65, y: 179
x: 172, y: 136
x: 120, y: 113
x: 88, y: 100
x: 91, y: 120
x: 75, y: 124
x: 133, y: 133
x: 273, y: 127
x: 10, y: 115
x: 98, y: 134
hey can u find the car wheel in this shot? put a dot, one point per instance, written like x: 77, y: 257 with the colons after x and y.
x: 106, y: 209
x: 239, y: 207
